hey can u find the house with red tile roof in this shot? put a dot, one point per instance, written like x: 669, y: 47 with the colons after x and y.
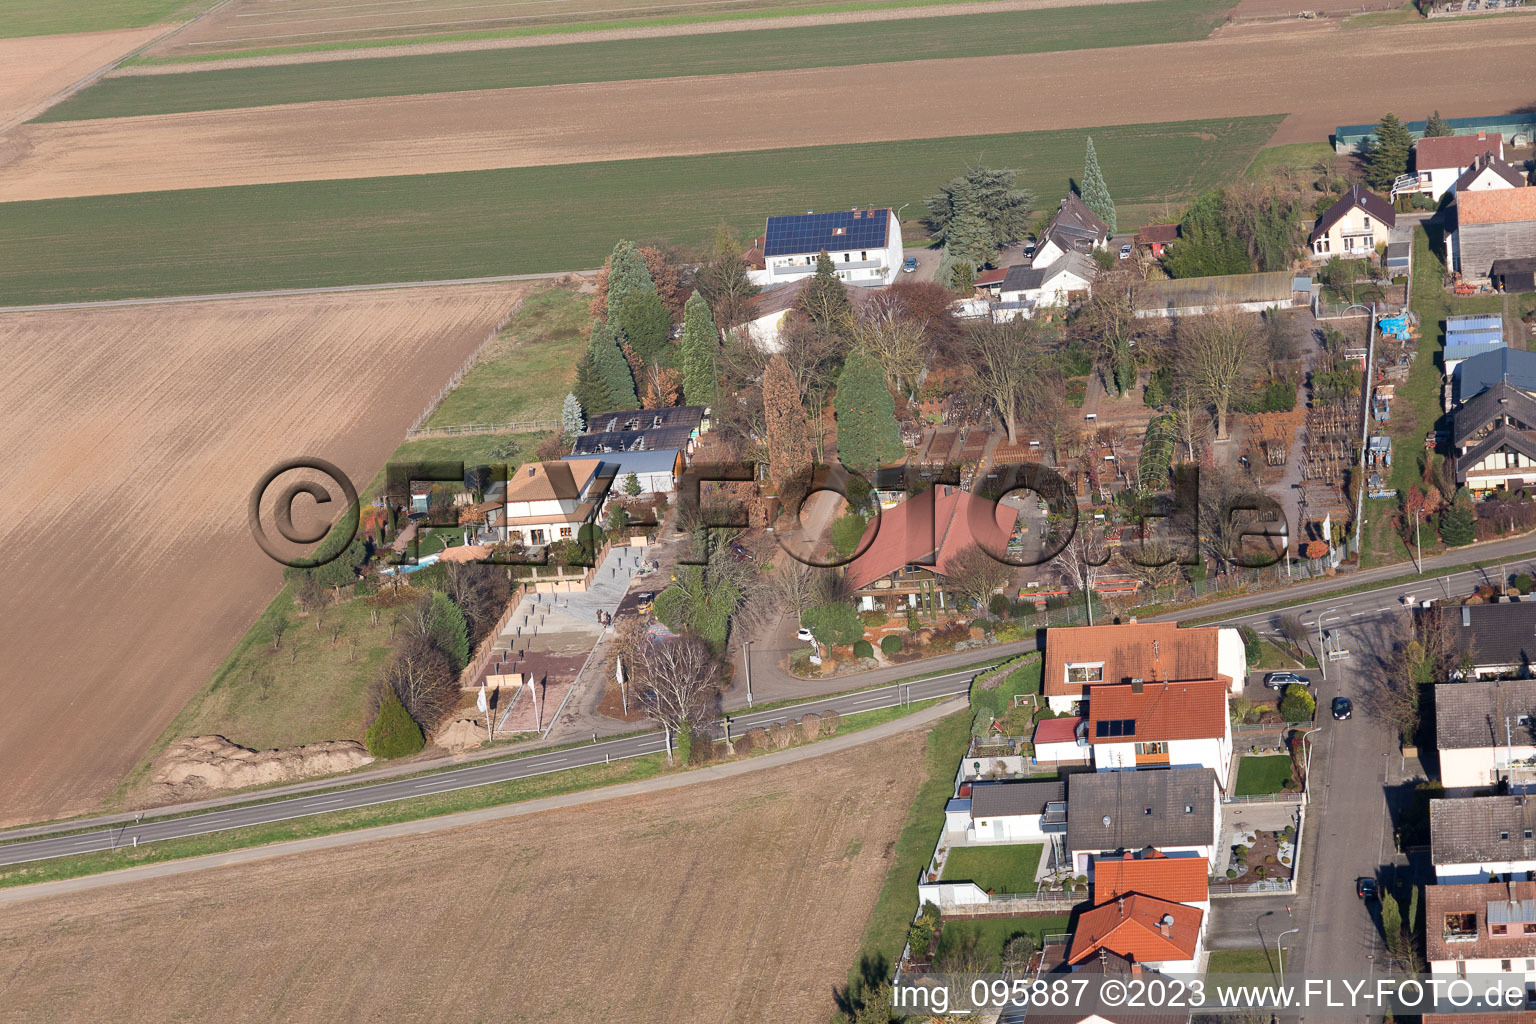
x: 1440, y: 160
x: 1159, y: 934
x: 1161, y: 725
x: 906, y: 550
x: 1180, y: 879
x: 1079, y: 658
x: 1489, y: 225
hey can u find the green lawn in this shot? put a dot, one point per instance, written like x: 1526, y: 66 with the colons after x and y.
x: 52, y: 17
x: 1240, y: 961
x: 1294, y: 159
x: 527, y: 372
x: 1259, y: 776
x: 969, y: 35
x: 992, y: 934
x: 536, y: 219
x: 999, y: 869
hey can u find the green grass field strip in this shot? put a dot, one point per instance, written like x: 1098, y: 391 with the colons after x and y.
x: 552, y: 783
x: 536, y: 219
x: 1000, y: 869
x: 992, y: 934
x: 44, y: 18
x: 1259, y: 776
x: 969, y: 35
x: 1240, y: 961
x: 754, y: 14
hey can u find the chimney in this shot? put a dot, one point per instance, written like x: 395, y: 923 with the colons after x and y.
x: 1482, y: 136
x: 1164, y: 924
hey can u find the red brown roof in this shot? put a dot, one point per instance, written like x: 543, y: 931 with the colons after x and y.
x: 929, y: 529
x: 1162, y: 233
x: 1158, y: 651
x: 1138, y: 927
x: 1496, y: 206
x: 1177, y: 879
x: 1455, y: 150
x: 987, y: 277
x: 1056, y: 730
x: 1161, y: 711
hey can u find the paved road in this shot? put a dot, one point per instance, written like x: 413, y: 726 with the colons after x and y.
x: 474, y: 775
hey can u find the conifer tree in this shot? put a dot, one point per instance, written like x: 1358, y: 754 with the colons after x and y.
x: 611, y: 370
x: 978, y: 211
x: 571, y: 419
x: 825, y: 298
x: 1095, y: 193
x: 626, y: 273
x: 701, y: 340
x: 867, y: 433
x: 1387, y: 156
x: 1458, y: 523
x: 789, y: 445
x: 393, y: 732
x: 1436, y: 127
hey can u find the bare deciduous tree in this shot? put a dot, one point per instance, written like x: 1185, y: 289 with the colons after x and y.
x: 975, y: 575
x: 1082, y: 562
x: 423, y: 679
x: 1217, y: 353
x: 678, y: 680
x: 898, y: 344
x: 795, y: 586
x: 1005, y: 367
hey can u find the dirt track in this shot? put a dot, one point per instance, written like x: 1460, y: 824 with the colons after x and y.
x: 34, y: 68
x: 740, y: 900
x: 1333, y: 75
x: 134, y: 436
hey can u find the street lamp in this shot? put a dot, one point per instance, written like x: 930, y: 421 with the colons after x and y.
x: 1322, y: 648
x: 1419, y: 562
x: 1280, y: 950
x: 746, y: 661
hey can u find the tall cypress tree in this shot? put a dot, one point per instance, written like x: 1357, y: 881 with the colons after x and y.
x: 1095, y: 193
x: 867, y: 433
x: 701, y: 339
x: 626, y: 273
x: 611, y: 370
x: 789, y: 444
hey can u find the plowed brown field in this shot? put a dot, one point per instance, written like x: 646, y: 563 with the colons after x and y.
x: 34, y: 68
x: 133, y: 436
x: 1323, y: 74
x: 739, y: 900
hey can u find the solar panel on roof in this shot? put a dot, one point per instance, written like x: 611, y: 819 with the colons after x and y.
x: 813, y: 232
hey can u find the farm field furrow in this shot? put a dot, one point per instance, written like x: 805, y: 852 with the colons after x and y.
x: 1263, y: 71
x: 740, y: 900
x: 136, y: 435
x: 527, y: 220
x: 974, y: 35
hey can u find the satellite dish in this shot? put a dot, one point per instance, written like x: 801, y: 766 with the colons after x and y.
x: 1106, y: 821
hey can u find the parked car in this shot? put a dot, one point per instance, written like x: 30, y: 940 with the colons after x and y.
x: 1280, y: 680
x: 909, y: 265
x: 1029, y: 250
x: 1342, y: 708
x: 1365, y: 888
x: 804, y: 635
x: 1125, y: 251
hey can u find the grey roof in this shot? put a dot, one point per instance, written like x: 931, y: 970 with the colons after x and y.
x: 1496, y: 634
x: 1368, y: 201
x: 1502, y: 438
x: 664, y: 439
x: 1175, y: 807
x: 1471, y: 715
x: 1074, y: 227
x: 1478, y: 374
x: 1487, y: 161
x: 1026, y: 278
x: 646, y: 419
x: 1023, y: 279
x: 1498, y: 401
x: 1482, y: 829
x: 998, y: 799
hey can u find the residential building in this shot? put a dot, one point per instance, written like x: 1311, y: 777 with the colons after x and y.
x: 549, y: 501
x: 1157, y: 238
x: 771, y: 308
x: 1513, y: 366
x: 1489, y: 173
x: 1026, y: 289
x: 1354, y: 226
x: 1180, y: 879
x: 1499, y: 639
x: 1487, y: 929
x: 1097, y: 969
x: 1439, y: 162
x: 1160, y: 934
x: 1078, y: 658
x: 656, y: 472
x: 1012, y: 812
x: 906, y: 549
x: 1073, y: 228
x: 1484, y: 731
x: 1111, y: 813
x: 864, y: 245
x: 1474, y: 837
x: 1494, y: 440
x: 1489, y: 226
x: 1161, y: 725
x: 638, y: 430
x: 1062, y: 741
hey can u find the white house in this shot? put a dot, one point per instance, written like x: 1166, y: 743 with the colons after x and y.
x: 1474, y: 837
x: 772, y: 306
x: 1487, y: 929
x: 864, y: 245
x: 1161, y: 725
x: 654, y: 471
x: 1073, y: 228
x: 1078, y: 658
x: 1486, y: 732
x: 1151, y: 910
x: 1176, y: 811
x: 549, y: 501
x: 1354, y: 226
x: 1440, y: 161
x: 1027, y: 288
x: 1499, y: 638
x: 1015, y: 812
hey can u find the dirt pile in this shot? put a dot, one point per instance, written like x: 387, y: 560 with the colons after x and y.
x: 461, y: 734
x: 212, y: 762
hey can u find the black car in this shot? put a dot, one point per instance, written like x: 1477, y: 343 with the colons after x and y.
x: 1280, y: 680
x: 1365, y: 888
x: 1342, y: 708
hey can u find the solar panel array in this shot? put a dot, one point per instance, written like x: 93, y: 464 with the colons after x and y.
x: 814, y: 232
x: 1115, y: 727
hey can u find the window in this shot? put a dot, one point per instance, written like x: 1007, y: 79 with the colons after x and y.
x: 1111, y: 728
x: 1498, y: 929
x: 1528, y: 928
x: 565, y: 533
x: 1367, y: 223
x: 1505, y: 966
x: 1503, y: 837
x: 1155, y: 747
x: 1530, y: 965
x: 847, y: 256
x: 1527, y: 833
x: 1461, y: 968
x: 1085, y: 672
x: 864, y: 255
